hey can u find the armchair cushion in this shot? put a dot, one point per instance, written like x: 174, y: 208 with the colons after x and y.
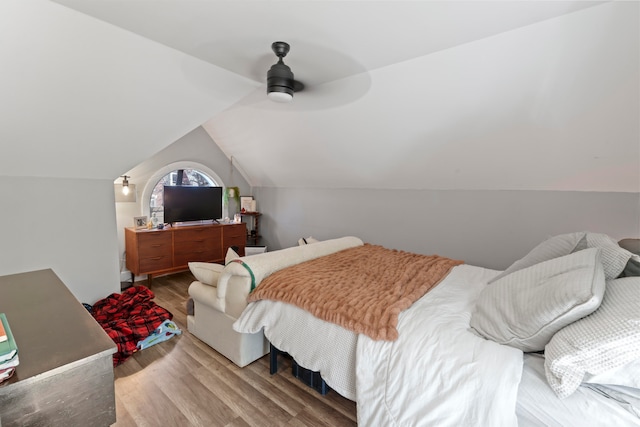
x: 231, y: 255
x: 206, y: 272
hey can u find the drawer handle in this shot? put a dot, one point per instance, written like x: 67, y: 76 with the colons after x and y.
x: 156, y: 258
x: 199, y: 241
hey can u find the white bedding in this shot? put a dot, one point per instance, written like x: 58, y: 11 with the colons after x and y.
x: 292, y: 329
x: 471, y: 381
x: 437, y: 372
x: 586, y: 407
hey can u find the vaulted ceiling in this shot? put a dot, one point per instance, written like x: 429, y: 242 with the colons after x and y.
x: 399, y: 94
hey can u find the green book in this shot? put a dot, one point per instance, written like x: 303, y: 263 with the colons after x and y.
x: 8, y: 348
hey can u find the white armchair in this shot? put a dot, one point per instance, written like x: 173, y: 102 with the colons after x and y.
x: 220, y: 295
x: 215, y: 310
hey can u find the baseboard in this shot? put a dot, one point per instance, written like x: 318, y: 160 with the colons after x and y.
x: 125, y: 276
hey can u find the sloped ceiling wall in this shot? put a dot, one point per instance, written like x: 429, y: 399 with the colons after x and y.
x: 550, y: 106
x: 84, y: 99
x: 419, y: 95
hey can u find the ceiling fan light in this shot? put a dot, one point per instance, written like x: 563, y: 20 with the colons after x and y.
x: 280, y: 96
x: 280, y: 82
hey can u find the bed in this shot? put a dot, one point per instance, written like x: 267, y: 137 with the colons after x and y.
x: 441, y: 371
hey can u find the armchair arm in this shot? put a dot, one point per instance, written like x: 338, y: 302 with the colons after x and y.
x: 234, y: 286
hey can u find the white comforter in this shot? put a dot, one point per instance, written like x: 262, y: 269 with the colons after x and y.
x: 437, y: 373
x: 315, y: 344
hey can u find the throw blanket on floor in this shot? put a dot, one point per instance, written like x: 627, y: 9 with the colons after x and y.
x: 128, y: 318
x: 362, y: 289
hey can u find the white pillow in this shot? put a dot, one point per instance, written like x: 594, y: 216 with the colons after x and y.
x: 524, y: 309
x: 206, y: 272
x: 231, y: 255
x: 599, y: 344
x: 553, y: 247
x: 614, y: 258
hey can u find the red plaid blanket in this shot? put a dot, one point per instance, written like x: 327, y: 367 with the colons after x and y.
x: 129, y: 317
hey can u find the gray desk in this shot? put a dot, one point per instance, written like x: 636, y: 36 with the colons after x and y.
x: 65, y: 376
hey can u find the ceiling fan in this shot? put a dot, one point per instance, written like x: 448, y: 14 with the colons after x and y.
x: 280, y: 81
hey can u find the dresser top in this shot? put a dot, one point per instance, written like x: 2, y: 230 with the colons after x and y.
x: 51, y: 327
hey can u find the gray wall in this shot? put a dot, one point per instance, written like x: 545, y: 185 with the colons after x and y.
x: 67, y: 225
x: 486, y: 228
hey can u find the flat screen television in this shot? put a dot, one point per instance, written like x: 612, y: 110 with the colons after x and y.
x: 182, y: 204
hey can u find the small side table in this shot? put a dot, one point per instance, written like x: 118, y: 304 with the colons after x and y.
x: 253, y: 233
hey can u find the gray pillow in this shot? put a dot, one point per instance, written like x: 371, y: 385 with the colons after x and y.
x: 526, y: 308
x: 553, y: 247
x: 600, y: 345
x: 632, y: 245
x: 632, y: 269
x: 614, y: 258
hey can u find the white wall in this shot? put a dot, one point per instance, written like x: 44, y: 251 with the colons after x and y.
x: 486, y: 228
x: 67, y: 225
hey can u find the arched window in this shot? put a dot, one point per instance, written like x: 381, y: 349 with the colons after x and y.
x: 184, y: 177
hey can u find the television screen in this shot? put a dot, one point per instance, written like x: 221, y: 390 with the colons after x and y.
x: 192, y: 203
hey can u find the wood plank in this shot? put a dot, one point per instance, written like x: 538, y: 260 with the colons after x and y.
x: 185, y: 382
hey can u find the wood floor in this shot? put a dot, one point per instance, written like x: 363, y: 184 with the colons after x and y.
x: 184, y: 382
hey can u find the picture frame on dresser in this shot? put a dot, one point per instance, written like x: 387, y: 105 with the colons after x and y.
x: 139, y: 222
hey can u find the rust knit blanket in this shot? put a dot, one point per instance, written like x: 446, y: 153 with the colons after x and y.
x: 362, y: 289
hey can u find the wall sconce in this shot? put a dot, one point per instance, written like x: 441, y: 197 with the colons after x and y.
x: 125, y: 192
x: 125, y: 185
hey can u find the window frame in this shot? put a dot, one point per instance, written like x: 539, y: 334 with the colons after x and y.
x: 145, y: 208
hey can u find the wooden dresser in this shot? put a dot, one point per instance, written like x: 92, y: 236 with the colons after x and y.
x: 171, y: 249
x: 65, y: 375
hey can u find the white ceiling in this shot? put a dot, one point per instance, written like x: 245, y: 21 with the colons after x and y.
x: 399, y: 94
x: 330, y: 39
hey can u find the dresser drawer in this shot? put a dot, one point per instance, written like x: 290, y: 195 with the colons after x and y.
x: 155, y: 263
x: 199, y: 234
x: 194, y: 246
x: 154, y: 251
x: 205, y: 250
x: 203, y: 256
x: 235, y: 241
x: 197, y: 244
x: 154, y: 244
x: 235, y: 235
x: 238, y: 230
